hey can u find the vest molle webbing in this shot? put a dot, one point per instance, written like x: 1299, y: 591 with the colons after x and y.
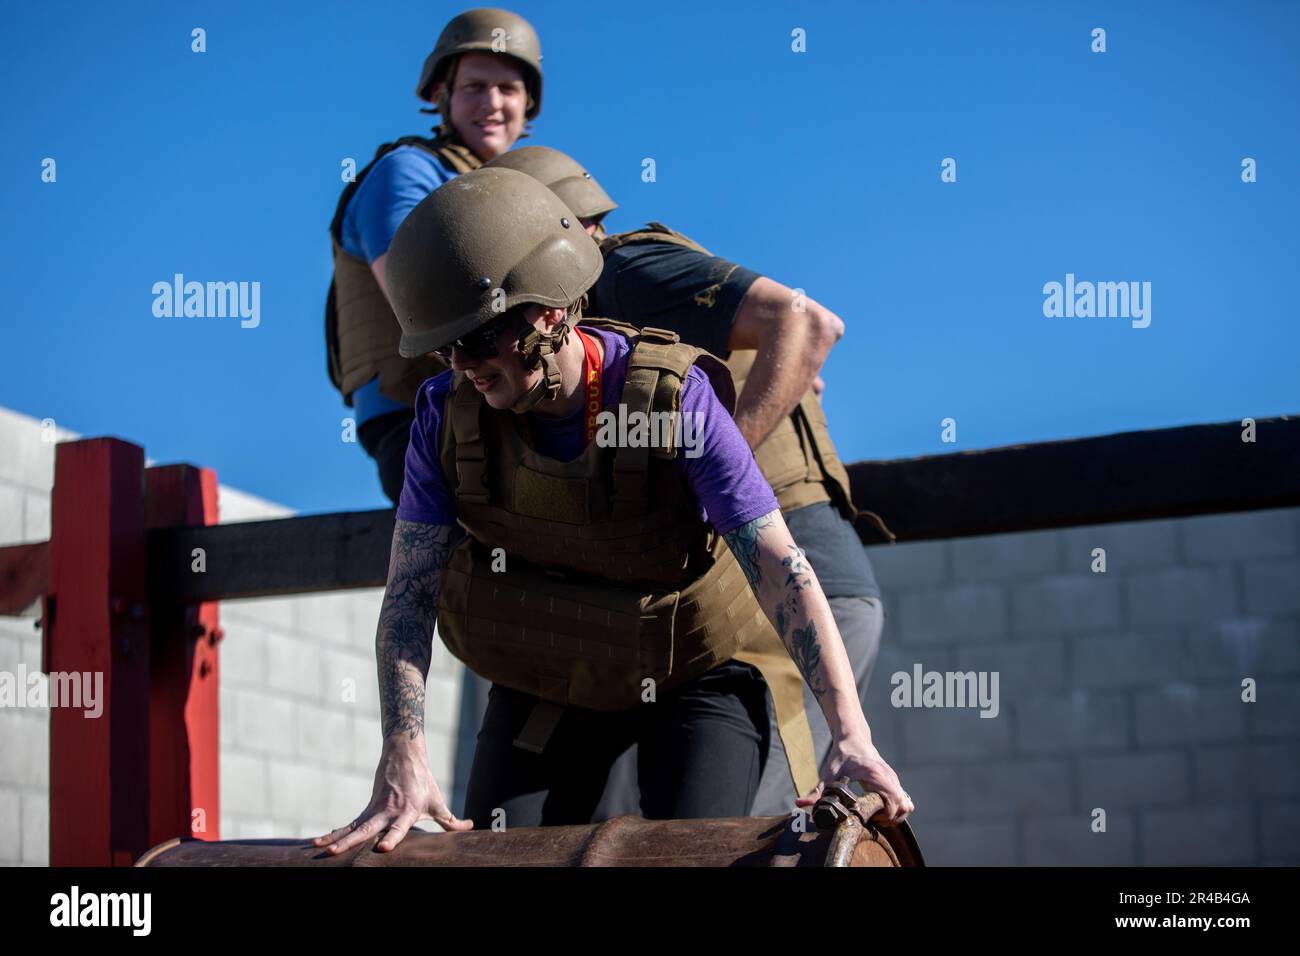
x: 611, y: 577
x: 361, y: 331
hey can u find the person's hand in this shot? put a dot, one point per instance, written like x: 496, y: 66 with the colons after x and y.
x: 404, y: 794
x: 857, y: 758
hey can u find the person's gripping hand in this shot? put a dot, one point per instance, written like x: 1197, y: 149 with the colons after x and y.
x: 858, y: 759
x: 404, y: 794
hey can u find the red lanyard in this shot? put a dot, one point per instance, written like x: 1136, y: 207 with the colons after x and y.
x: 591, y: 370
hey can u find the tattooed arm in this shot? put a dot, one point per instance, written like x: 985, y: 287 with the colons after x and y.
x: 788, y: 591
x: 404, y: 640
x: 787, y: 588
x: 404, y: 791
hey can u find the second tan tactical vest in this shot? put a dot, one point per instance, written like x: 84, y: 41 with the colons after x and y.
x: 581, y: 582
x: 361, y: 330
x: 798, y: 458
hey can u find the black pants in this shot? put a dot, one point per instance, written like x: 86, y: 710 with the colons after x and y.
x: 385, y: 438
x: 701, y: 749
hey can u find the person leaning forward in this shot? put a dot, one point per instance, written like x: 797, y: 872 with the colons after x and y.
x: 611, y: 592
x: 774, y: 344
x: 484, y: 79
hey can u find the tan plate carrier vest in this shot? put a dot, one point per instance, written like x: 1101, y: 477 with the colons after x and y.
x: 361, y: 331
x: 611, y: 576
x: 798, y: 458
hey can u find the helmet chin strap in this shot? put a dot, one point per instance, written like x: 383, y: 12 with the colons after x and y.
x: 540, y: 348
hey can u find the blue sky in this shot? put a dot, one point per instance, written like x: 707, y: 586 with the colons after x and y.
x: 820, y: 169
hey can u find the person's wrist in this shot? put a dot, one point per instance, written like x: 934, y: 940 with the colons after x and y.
x: 857, y: 738
x: 402, y: 741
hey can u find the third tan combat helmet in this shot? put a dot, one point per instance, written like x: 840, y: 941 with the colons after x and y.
x: 562, y: 174
x: 487, y: 30
x: 485, y: 230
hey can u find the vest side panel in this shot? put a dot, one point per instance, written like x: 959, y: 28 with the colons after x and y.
x: 368, y: 330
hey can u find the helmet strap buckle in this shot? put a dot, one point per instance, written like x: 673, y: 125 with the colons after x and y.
x: 540, y: 348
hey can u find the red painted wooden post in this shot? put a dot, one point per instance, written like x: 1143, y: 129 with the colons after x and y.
x: 96, y: 622
x: 184, y: 738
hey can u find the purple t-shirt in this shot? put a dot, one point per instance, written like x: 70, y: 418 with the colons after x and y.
x: 722, y: 475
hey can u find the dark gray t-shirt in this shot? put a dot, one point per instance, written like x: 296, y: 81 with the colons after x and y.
x: 668, y: 286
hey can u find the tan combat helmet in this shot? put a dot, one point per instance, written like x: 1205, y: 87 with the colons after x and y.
x: 487, y: 30
x: 479, y: 245
x: 560, y: 173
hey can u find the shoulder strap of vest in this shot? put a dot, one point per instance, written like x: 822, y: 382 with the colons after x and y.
x: 458, y: 157
x: 448, y: 151
x: 653, y: 232
x: 656, y: 373
x: 464, y: 409
x: 719, y: 374
x: 625, y: 329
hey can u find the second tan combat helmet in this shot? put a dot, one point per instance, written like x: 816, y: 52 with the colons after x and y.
x: 562, y: 174
x: 487, y: 30
x: 479, y: 245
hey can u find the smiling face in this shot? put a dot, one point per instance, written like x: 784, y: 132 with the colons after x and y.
x: 502, y: 379
x: 488, y: 101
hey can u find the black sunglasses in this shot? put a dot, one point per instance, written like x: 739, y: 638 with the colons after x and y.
x: 479, y: 344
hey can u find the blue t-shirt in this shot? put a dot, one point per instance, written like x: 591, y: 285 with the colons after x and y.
x: 721, y: 471
x: 394, y: 186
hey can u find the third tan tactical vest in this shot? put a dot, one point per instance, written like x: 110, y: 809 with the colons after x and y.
x: 361, y: 330
x: 798, y: 458
x: 580, y: 581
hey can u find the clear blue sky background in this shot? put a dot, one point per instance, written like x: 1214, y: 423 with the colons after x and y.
x: 820, y: 169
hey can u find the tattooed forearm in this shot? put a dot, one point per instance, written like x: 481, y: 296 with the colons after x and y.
x: 403, y: 643
x: 787, y: 590
x: 802, y: 642
x: 807, y: 656
x: 786, y: 586
x: 796, y: 568
x: 744, y: 545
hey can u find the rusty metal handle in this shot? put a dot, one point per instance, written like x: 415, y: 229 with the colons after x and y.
x: 839, y: 802
x: 848, y: 817
x: 871, y: 803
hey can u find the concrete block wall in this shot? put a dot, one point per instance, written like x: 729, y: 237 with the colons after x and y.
x: 26, y: 477
x: 300, y: 734
x: 1119, y: 690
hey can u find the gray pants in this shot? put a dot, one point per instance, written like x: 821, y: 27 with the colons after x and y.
x: 860, y: 621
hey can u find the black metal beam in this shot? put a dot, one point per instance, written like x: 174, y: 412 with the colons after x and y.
x: 1131, y: 476
x: 264, y: 558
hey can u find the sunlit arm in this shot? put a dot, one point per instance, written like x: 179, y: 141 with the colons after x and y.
x: 792, y: 335
x: 404, y: 641
x: 789, y: 593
